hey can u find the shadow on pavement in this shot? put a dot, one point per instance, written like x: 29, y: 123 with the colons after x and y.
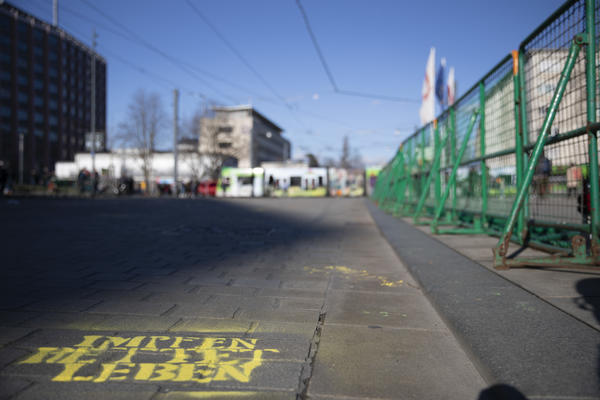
x: 501, y: 392
x: 589, y: 289
x: 67, y: 250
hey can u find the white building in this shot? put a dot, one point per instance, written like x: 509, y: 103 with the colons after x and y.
x: 126, y: 163
x: 244, y: 135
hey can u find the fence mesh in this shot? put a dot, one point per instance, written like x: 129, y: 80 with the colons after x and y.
x: 558, y: 179
x: 555, y: 193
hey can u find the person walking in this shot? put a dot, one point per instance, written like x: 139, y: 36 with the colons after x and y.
x: 543, y: 170
x: 574, y: 178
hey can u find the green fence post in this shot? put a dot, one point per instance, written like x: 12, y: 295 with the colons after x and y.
x: 390, y: 182
x: 422, y: 160
x: 378, y: 184
x: 399, y: 192
x: 524, y: 135
x: 395, y: 180
x: 592, y: 135
x: 409, y: 175
x: 440, y: 206
x: 501, y: 248
x: 437, y: 165
x: 483, y: 166
x: 425, y: 193
x: 452, y: 117
x: 518, y: 141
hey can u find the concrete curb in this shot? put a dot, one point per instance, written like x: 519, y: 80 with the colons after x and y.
x: 513, y: 336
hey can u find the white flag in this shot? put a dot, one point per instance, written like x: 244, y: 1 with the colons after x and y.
x: 427, y: 111
x: 451, y: 87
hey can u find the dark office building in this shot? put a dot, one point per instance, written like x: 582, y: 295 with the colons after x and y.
x: 45, y: 93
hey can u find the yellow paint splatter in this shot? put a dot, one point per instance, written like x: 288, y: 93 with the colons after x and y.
x: 208, y: 395
x: 347, y: 273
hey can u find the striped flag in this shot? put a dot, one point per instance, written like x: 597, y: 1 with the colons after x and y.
x: 451, y: 87
x: 427, y: 112
x: 439, y: 82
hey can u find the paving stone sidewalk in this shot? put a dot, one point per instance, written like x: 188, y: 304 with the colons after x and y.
x: 177, y: 299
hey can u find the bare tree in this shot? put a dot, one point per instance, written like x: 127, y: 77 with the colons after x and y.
x: 350, y: 158
x: 312, y: 160
x: 345, y: 156
x: 145, y: 121
x: 188, y: 145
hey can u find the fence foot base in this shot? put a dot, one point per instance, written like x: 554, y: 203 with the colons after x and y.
x: 578, y: 259
x: 460, y: 231
x: 588, y: 263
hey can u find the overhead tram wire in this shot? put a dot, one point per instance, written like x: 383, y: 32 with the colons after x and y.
x: 243, y: 60
x: 136, y: 38
x: 163, y: 81
x: 234, y: 50
x: 127, y: 34
x: 166, y: 83
x: 325, y: 66
x: 186, y: 64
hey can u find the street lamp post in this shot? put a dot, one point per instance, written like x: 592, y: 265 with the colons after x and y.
x: 21, y: 156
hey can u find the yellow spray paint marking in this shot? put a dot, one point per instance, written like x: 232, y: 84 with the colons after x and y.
x: 349, y: 272
x: 154, y: 359
x: 209, y: 395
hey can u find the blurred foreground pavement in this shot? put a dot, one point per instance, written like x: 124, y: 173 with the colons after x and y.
x: 178, y: 299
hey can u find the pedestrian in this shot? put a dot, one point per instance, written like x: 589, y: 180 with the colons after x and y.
x: 285, y: 186
x: 95, y: 181
x: 472, y: 179
x: 574, y: 177
x: 3, y: 177
x: 81, y: 181
x: 224, y: 186
x: 543, y: 170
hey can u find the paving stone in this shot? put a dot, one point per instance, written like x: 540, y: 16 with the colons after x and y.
x: 291, y: 293
x: 278, y: 328
x: 302, y: 316
x: 16, y: 302
x: 131, y: 308
x: 81, y: 390
x: 223, y: 327
x: 135, y: 322
x: 226, y: 290
x: 61, y: 305
x: 56, y: 320
x: 10, y: 355
x: 256, y: 283
x: 177, y: 297
x: 110, y: 276
x: 119, y: 295
x: 112, y: 285
x: 10, y: 386
x: 15, y: 318
x: 305, y: 284
x: 404, y: 311
x: 10, y: 334
x: 225, y: 394
x: 426, y: 365
x: 142, y: 271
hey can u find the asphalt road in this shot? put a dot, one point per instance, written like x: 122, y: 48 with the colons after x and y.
x: 256, y: 298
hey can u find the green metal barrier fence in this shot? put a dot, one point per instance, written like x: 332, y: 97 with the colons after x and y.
x: 517, y: 155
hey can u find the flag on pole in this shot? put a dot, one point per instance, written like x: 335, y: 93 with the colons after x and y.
x: 427, y: 112
x: 439, y: 83
x: 451, y: 87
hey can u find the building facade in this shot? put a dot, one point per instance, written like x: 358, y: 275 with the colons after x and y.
x: 244, y: 135
x: 45, y: 93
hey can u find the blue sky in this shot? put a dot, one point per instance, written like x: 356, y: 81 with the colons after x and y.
x: 376, y: 46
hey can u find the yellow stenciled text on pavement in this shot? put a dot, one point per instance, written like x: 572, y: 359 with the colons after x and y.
x: 153, y: 359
